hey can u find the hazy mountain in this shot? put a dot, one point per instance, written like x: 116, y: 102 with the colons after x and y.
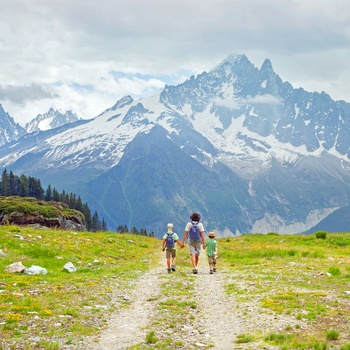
x: 246, y: 149
x: 9, y: 129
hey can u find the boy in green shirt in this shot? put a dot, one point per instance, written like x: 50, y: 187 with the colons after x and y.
x: 212, y: 251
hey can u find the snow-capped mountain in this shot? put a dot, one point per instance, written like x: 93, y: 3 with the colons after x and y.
x: 9, y: 129
x: 52, y: 119
x: 244, y: 148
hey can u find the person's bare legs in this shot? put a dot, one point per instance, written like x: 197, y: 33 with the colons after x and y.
x: 194, y: 259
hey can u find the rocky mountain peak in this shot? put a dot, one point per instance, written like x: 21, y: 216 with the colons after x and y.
x: 53, y: 118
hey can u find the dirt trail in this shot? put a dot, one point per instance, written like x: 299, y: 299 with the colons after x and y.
x: 126, y: 326
x: 216, y: 321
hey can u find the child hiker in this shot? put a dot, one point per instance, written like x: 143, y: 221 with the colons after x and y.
x: 212, y: 251
x: 170, y: 239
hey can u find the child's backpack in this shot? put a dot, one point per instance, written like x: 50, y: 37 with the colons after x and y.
x: 194, y: 233
x: 170, y: 241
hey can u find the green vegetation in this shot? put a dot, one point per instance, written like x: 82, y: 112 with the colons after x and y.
x: 74, y: 300
x: 30, y: 205
x: 302, y: 276
x: 301, y: 279
x: 23, y: 186
x: 321, y: 234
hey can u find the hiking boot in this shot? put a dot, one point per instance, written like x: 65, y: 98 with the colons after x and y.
x: 211, y: 272
x: 214, y: 269
x: 195, y: 271
x: 169, y: 270
x: 173, y: 268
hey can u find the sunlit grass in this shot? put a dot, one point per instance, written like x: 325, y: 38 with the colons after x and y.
x: 76, y: 301
x: 298, y: 275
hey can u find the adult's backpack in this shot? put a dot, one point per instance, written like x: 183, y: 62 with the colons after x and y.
x: 170, y: 241
x: 194, y: 233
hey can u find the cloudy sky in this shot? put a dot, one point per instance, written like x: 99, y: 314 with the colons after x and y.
x: 84, y: 55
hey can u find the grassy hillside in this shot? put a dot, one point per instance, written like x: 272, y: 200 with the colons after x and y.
x: 62, y: 304
x: 303, y: 277
x: 30, y: 205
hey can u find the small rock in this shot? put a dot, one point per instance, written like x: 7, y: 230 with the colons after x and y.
x: 69, y: 267
x: 200, y: 345
x: 35, y: 270
x: 15, y: 267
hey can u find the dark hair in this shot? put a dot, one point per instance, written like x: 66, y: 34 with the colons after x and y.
x: 195, y: 217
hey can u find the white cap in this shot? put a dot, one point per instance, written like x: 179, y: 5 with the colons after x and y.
x: 170, y: 226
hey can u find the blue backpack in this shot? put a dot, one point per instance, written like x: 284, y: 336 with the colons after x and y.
x: 194, y: 233
x: 170, y: 241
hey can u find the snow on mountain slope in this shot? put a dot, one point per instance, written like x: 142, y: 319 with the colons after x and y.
x: 50, y: 120
x: 267, y: 156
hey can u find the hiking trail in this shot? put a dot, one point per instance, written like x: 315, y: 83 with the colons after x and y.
x: 217, y: 323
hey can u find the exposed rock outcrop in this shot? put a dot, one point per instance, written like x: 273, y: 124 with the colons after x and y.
x: 22, y: 219
x: 29, y: 211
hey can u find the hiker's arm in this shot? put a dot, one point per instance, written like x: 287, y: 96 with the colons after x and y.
x: 179, y: 243
x: 163, y: 244
x: 203, y: 241
x: 184, y: 238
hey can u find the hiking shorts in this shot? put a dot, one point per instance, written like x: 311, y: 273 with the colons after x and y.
x: 211, y: 260
x: 170, y: 253
x: 195, y: 247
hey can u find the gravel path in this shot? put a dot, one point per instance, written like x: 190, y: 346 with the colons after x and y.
x: 216, y: 323
x: 126, y: 327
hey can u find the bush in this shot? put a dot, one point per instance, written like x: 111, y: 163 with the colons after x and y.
x: 321, y: 235
x: 151, y: 338
x: 335, y: 271
x: 332, y: 334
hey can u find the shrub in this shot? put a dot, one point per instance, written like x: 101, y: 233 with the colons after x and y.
x: 321, y: 235
x: 332, y: 334
x: 244, y: 338
x: 334, y: 271
x: 151, y: 338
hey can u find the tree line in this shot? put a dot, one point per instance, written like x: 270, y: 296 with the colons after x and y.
x: 27, y: 186
x: 134, y: 231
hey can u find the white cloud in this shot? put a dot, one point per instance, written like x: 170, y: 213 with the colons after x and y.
x: 62, y: 52
x: 264, y: 99
x: 236, y: 103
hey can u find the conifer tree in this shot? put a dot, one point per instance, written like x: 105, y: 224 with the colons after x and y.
x: 48, y: 194
x: 24, y: 186
x: 5, y: 186
x: 55, y: 195
x: 103, y: 225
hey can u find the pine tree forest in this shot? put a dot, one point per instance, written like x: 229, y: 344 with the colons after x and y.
x: 26, y: 186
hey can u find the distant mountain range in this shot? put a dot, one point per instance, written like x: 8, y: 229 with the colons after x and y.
x: 9, y: 129
x: 51, y: 120
x: 237, y: 144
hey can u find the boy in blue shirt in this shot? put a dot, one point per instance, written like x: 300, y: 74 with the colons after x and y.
x: 170, y: 239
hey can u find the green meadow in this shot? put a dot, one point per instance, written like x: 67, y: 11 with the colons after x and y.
x: 305, y: 277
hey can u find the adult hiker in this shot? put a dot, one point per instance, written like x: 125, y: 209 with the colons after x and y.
x: 194, y: 230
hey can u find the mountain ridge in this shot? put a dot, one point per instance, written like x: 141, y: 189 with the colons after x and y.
x: 52, y: 119
x: 269, y: 140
